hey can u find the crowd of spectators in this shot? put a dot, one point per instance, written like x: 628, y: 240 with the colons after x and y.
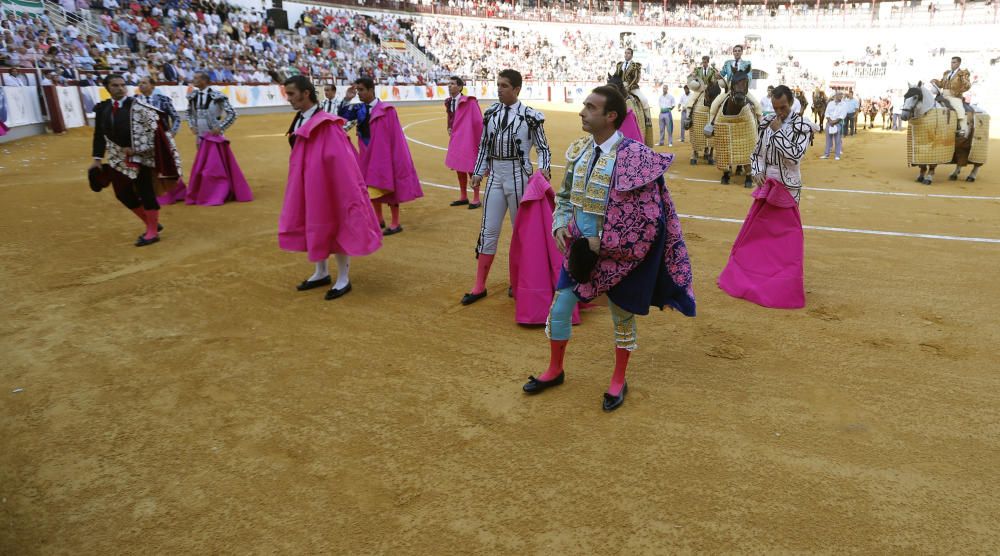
x: 171, y: 39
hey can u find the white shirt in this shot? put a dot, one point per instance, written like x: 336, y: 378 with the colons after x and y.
x: 611, y: 142
x: 684, y: 99
x: 836, y: 110
x: 15, y: 80
x: 299, y: 122
x: 667, y: 102
x: 329, y: 105
x: 766, y: 105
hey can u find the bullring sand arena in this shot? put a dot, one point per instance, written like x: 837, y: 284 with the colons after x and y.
x: 185, y: 399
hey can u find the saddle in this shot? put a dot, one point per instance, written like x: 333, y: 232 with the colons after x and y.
x: 940, y: 100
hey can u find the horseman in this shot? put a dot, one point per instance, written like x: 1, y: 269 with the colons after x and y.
x: 953, y: 84
x: 635, y: 112
x: 630, y: 72
x: 706, y: 73
x: 736, y: 115
x: 731, y: 67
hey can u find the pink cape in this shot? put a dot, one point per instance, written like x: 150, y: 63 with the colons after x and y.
x: 3, y: 129
x: 630, y: 127
x: 326, y: 209
x: 766, y: 263
x: 466, y: 131
x: 535, y: 261
x: 385, y: 161
x: 175, y: 195
x: 215, y: 176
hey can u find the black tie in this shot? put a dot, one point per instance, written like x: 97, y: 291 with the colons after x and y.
x: 506, y: 114
x: 593, y: 163
x: 297, y: 122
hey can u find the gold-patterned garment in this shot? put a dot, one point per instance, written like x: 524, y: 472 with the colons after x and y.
x: 642, y: 118
x: 592, y: 196
x: 631, y: 75
x: 959, y: 84
x: 930, y: 139
x: 735, y: 139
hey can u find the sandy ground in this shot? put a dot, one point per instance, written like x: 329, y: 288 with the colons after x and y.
x: 184, y: 398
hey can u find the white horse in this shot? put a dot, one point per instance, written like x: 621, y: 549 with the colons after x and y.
x: 917, y: 101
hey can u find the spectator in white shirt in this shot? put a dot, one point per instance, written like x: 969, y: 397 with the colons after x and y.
x: 667, y: 104
x: 15, y: 78
x: 684, y: 112
x: 836, y: 112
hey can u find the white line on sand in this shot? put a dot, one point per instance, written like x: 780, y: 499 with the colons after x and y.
x: 818, y: 228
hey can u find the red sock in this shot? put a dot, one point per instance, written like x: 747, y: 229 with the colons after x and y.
x: 463, y: 185
x: 618, y: 378
x: 152, y: 219
x: 141, y: 213
x: 557, y: 350
x: 482, y: 272
x: 394, y: 209
x: 378, y: 213
x: 475, y: 195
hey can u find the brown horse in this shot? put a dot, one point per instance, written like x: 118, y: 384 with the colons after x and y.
x: 819, y: 108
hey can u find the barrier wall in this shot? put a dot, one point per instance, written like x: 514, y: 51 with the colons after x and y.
x: 21, y: 106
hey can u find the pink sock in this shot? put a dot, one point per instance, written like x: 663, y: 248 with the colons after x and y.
x: 482, y: 272
x: 618, y: 378
x: 557, y: 350
x: 463, y: 185
x: 475, y: 195
x: 141, y: 213
x: 394, y: 209
x: 152, y: 219
x: 378, y: 212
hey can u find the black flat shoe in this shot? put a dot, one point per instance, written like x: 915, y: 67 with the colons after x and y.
x: 159, y: 228
x: 510, y: 291
x: 474, y: 206
x: 459, y: 202
x: 381, y: 225
x: 391, y: 231
x: 310, y: 284
x: 334, y: 294
x: 612, y: 403
x: 470, y: 298
x: 142, y: 241
x: 534, y: 386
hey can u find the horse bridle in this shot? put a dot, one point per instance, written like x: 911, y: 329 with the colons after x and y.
x: 920, y: 97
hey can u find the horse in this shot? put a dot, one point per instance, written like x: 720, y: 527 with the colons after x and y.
x: 701, y: 103
x: 819, y: 108
x: 885, y: 109
x: 733, y: 107
x: 635, y: 103
x: 801, y: 97
x: 920, y: 99
x: 870, y: 110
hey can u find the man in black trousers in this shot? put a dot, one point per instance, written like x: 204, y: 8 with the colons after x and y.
x: 138, y: 150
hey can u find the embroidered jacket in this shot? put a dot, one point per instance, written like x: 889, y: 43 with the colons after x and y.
x: 212, y: 106
x: 524, y: 129
x: 630, y: 73
x: 778, y: 154
x: 165, y: 105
